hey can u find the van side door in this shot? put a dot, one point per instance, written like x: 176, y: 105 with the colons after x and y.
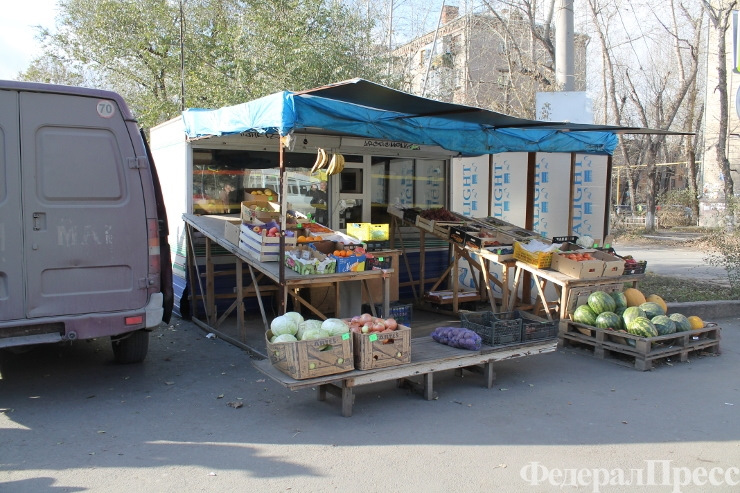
x: 12, y: 302
x: 84, y: 221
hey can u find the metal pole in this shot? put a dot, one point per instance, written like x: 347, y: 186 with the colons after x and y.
x: 431, y: 52
x: 564, y: 41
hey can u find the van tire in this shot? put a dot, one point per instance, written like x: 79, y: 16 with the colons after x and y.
x: 131, y: 348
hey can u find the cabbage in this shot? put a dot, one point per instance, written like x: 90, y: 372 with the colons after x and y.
x: 335, y: 326
x: 295, y: 316
x: 313, y: 334
x: 307, y: 324
x: 283, y: 325
x: 284, y: 338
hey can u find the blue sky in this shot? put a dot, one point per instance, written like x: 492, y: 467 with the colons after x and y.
x: 17, y: 43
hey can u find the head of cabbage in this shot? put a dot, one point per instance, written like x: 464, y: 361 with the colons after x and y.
x: 295, y: 317
x: 313, y: 334
x: 335, y: 326
x: 283, y: 325
x: 307, y: 324
x: 283, y: 338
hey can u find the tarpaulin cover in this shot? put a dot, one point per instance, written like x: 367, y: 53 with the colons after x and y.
x: 460, y: 129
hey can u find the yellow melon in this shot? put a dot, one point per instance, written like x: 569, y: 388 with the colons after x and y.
x: 696, y: 322
x: 657, y: 299
x: 634, y: 297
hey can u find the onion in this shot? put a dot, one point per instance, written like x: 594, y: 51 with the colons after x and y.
x: 391, y: 324
x: 366, y: 328
x: 355, y: 320
x: 378, y: 327
x: 365, y: 318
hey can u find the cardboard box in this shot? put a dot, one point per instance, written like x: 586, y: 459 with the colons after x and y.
x: 260, y: 210
x: 260, y: 246
x: 579, y: 269
x: 381, y: 350
x: 306, y: 260
x: 232, y: 229
x: 353, y: 263
x: 613, y: 265
x: 309, y: 359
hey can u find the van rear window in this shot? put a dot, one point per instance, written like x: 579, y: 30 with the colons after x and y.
x: 79, y: 164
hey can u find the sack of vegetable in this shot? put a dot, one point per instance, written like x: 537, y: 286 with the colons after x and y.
x: 457, y: 337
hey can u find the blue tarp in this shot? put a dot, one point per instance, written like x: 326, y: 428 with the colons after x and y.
x: 286, y: 112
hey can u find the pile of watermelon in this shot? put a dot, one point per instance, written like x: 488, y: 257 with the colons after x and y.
x: 631, y: 312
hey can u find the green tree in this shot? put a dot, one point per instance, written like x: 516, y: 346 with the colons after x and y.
x: 231, y: 50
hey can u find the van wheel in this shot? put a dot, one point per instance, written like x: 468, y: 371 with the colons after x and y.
x: 131, y: 348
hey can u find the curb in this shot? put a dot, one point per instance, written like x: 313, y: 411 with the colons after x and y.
x: 707, y: 310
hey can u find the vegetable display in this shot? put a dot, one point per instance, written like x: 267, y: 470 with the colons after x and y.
x: 641, y: 318
x: 305, y: 330
x: 367, y: 324
x: 457, y: 337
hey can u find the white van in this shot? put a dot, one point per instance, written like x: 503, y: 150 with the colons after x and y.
x: 83, y: 229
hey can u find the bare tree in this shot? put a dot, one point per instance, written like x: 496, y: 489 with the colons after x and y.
x: 720, y: 18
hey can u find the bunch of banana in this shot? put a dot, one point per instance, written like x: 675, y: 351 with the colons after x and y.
x: 336, y: 165
x: 322, y: 159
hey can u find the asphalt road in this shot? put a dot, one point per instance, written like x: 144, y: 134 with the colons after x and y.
x: 673, y: 258
x: 72, y: 420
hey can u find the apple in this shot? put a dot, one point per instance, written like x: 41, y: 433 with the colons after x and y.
x: 256, y: 229
x: 273, y: 231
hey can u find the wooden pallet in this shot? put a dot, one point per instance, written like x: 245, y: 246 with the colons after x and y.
x: 639, y: 352
x: 427, y: 358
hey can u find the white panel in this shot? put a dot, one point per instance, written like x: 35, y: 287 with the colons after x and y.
x: 589, y: 195
x: 469, y: 186
x: 430, y: 186
x: 551, y: 194
x: 509, y: 185
x: 401, y: 191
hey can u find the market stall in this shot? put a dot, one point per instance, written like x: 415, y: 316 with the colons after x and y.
x: 395, y: 148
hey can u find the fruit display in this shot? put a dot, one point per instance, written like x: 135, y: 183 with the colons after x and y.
x: 334, y: 165
x: 439, y: 214
x: 631, y: 312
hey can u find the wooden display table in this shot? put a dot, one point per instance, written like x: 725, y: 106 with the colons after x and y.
x: 427, y: 357
x: 565, y: 286
x: 213, y: 230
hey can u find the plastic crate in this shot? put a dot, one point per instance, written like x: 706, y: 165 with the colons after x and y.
x: 632, y: 269
x: 534, y: 328
x: 402, y: 313
x: 492, y: 330
x: 541, y: 260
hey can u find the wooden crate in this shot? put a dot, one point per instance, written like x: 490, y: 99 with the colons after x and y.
x: 381, y: 350
x: 639, y: 352
x: 308, y: 359
x: 437, y: 228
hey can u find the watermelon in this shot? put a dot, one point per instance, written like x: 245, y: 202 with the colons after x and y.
x: 631, y: 313
x: 663, y: 325
x: 652, y: 309
x: 601, y: 302
x: 608, y: 320
x: 682, y: 323
x: 620, y: 299
x: 620, y: 310
x: 584, y: 315
x: 641, y: 326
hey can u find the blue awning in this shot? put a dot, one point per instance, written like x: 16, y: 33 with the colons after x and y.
x: 364, y: 109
